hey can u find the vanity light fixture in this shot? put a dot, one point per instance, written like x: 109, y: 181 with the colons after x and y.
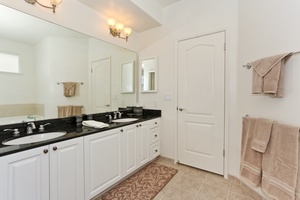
x: 54, y: 4
x: 116, y: 29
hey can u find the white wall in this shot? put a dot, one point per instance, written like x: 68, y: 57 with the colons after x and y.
x: 268, y: 28
x: 18, y: 88
x: 182, y: 20
x: 53, y: 66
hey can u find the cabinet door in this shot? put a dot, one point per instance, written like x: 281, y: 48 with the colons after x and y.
x: 25, y: 175
x: 67, y: 170
x: 144, y: 143
x: 130, y: 148
x: 103, y: 161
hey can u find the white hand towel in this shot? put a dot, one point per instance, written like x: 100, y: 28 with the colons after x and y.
x: 94, y: 124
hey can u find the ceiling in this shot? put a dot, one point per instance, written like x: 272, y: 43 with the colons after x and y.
x: 128, y: 12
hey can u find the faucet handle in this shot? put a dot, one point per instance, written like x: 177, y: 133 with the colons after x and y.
x: 109, y: 118
x: 42, y: 126
x: 15, y: 131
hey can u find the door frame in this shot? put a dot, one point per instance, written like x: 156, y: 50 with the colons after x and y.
x: 226, y: 95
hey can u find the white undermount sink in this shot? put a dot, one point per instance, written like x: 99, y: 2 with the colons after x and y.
x: 34, y: 138
x: 124, y: 120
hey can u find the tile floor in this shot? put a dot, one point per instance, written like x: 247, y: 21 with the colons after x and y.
x: 194, y: 184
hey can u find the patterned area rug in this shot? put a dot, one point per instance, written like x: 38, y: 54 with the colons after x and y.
x: 143, y: 185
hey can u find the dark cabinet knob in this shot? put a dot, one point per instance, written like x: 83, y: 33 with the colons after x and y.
x: 140, y: 125
x: 121, y: 130
x: 54, y: 148
x: 155, y: 122
x: 137, y: 126
x: 156, y: 151
x: 45, y: 151
x: 155, y: 135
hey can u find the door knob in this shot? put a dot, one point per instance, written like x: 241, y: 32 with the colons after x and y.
x: 180, y: 109
x: 107, y: 105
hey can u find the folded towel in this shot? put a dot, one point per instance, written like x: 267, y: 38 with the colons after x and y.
x: 64, y: 111
x: 250, y: 159
x: 69, y: 88
x: 94, y: 124
x: 280, y: 162
x: 76, y: 110
x: 262, y: 132
x: 268, y: 74
x: 298, y: 179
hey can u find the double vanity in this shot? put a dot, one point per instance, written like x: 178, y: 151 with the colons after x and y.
x: 81, y: 163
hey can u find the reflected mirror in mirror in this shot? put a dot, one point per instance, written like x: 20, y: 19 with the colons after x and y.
x: 127, y: 70
x: 49, y: 54
x: 149, y: 75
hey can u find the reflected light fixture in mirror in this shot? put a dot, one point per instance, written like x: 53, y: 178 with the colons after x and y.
x: 53, y: 3
x: 116, y: 29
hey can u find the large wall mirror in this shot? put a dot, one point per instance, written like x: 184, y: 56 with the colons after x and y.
x: 50, y: 55
x: 149, y: 75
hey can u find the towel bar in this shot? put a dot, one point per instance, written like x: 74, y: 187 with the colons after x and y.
x: 248, y: 65
x: 58, y: 83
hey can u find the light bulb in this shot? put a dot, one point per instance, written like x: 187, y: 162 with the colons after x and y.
x: 119, y: 26
x: 55, y: 2
x: 127, y: 31
x: 111, y: 22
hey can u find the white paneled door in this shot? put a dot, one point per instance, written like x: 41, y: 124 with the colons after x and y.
x: 101, y: 86
x: 201, y: 70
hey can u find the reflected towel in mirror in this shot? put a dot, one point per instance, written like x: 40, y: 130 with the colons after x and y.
x: 69, y: 88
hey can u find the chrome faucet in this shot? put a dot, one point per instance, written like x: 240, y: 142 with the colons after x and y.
x: 15, y: 131
x: 30, y: 127
x: 117, y: 114
x: 109, y: 118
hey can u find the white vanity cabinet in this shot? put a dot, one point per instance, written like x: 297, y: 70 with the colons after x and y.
x: 130, y: 148
x: 135, y: 146
x: 103, y: 161
x: 67, y: 170
x: 154, y: 138
x: 25, y: 175
x: 52, y: 172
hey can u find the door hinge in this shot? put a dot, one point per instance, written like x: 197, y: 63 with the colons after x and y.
x: 223, y: 152
x: 224, y: 46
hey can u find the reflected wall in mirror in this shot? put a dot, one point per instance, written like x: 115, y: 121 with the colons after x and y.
x: 149, y: 73
x: 49, y: 54
x: 128, y: 80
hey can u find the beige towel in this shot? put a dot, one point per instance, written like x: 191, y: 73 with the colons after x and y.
x: 268, y: 74
x: 69, y: 88
x: 298, y: 179
x: 65, y: 111
x: 280, y: 163
x: 76, y: 110
x: 250, y: 159
x: 262, y: 133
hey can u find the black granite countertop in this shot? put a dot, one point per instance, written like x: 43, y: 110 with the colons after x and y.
x: 71, y: 126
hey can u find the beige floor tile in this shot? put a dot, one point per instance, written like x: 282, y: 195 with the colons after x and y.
x: 176, y: 194
x: 189, y: 185
x: 237, y: 189
x: 233, y: 196
x: 217, y: 181
x: 195, y: 173
x: 212, y: 193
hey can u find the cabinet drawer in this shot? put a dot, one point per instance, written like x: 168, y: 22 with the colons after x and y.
x: 154, y: 135
x: 154, y: 123
x: 154, y: 150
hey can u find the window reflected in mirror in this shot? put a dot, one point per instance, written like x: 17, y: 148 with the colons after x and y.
x: 149, y: 75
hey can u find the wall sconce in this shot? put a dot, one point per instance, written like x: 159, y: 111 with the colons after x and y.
x: 54, y: 3
x: 117, y: 28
